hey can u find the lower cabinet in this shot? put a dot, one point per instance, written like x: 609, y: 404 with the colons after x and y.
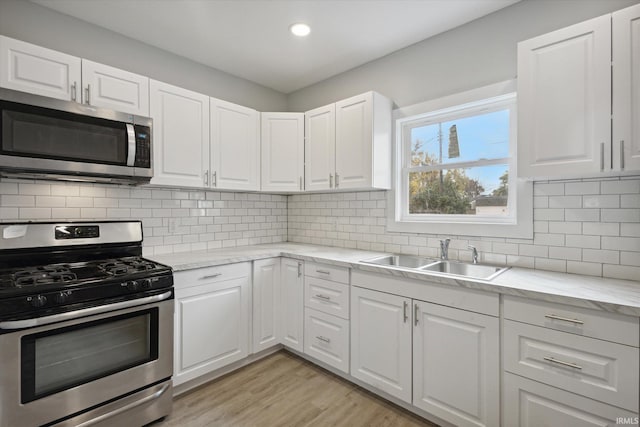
x: 292, y: 303
x: 528, y: 403
x: 442, y: 360
x: 211, y: 319
x: 266, y: 304
x: 456, y: 365
x: 326, y: 338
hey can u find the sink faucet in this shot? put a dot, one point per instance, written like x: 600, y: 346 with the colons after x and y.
x: 474, y: 253
x: 444, y: 249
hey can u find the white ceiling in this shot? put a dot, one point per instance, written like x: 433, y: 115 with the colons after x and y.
x: 250, y: 38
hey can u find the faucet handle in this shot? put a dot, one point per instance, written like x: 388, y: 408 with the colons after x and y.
x: 474, y: 253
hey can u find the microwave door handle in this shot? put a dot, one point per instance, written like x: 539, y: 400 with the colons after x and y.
x: 131, y: 138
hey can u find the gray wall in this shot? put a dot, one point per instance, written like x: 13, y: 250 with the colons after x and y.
x: 473, y: 55
x: 36, y: 24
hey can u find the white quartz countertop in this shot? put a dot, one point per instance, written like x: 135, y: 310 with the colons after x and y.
x: 612, y: 295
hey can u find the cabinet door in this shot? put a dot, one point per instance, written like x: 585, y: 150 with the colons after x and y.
x: 456, y: 370
x: 266, y: 303
x: 626, y: 88
x: 282, y: 146
x: 381, y: 341
x: 532, y: 404
x: 108, y: 87
x: 235, y: 146
x: 326, y: 338
x: 354, y: 140
x: 320, y: 146
x: 34, y: 69
x: 212, y: 327
x: 564, y: 93
x: 180, y: 136
x: 292, y: 303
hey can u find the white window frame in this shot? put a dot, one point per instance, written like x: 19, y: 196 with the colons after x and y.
x: 519, y: 221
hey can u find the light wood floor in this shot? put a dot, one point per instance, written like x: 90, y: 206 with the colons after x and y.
x: 285, y: 390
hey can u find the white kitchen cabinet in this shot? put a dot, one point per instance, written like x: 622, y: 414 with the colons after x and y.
x: 292, y: 303
x: 363, y: 142
x: 211, y: 319
x: 348, y: 144
x: 320, y: 148
x: 326, y: 338
x: 626, y: 88
x: 564, y: 93
x: 381, y: 331
x: 34, y: 69
x: 529, y: 403
x: 266, y: 304
x: 38, y: 70
x: 235, y: 147
x: 456, y: 365
x: 180, y: 136
x: 282, y: 151
x: 108, y: 87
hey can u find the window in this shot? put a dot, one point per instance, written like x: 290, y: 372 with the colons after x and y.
x: 455, y: 166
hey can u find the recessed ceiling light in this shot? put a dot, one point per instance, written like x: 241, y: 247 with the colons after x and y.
x: 300, y: 30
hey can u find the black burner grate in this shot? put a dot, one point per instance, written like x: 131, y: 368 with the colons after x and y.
x: 117, y: 267
x: 43, y: 276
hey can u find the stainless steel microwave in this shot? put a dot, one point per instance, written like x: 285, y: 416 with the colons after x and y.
x: 52, y: 139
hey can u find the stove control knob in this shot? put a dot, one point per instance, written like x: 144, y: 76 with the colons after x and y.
x: 62, y: 297
x: 133, y: 285
x: 38, y: 301
x: 146, y: 283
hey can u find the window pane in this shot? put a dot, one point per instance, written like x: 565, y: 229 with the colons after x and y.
x: 480, y: 191
x: 484, y: 136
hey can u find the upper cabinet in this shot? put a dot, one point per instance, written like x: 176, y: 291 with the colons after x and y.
x: 626, y: 88
x: 566, y: 126
x: 34, y: 69
x: 235, y: 147
x: 348, y: 144
x: 180, y: 136
x: 282, y: 143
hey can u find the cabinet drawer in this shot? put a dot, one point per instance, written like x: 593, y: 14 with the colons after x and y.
x: 327, y: 272
x: 326, y: 338
x: 598, y: 369
x: 590, y: 323
x: 529, y: 403
x: 219, y: 273
x: 326, y: 296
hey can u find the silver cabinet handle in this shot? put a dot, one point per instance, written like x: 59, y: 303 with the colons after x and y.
x: 602, y: 156
x: 330, y: 181
x: 622, y: 154
x: 74, y: 91
x: 323, y: 339
x: 562, y: 362
x: 323, y: 272
x: 337, y: 180
x: 564, y: 319
x: 206, y: 177
x: 300, y: 183
x: 211, y: 276
x: 87, y: 94
x: 299, y: 269
x: 323, y: 297
x: 415, y: 314
x: 405, y: 307
x: 214, y: 179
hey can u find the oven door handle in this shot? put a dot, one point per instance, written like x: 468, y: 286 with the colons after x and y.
x: 45, y: 320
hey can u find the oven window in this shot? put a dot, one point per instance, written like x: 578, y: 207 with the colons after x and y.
x: 50, y: 134
x: 60, y: 359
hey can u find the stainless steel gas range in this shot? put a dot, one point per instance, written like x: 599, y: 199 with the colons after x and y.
x: 86, y: 326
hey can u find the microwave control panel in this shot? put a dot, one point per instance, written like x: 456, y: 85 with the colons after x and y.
x: 143, y: 146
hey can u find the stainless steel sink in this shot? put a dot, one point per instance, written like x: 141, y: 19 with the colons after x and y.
x: 406, y: 261
x: 477, y: 271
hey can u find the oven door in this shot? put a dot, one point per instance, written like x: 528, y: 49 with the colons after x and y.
x: 57, y: 370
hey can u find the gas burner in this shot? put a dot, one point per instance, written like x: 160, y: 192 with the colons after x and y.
x: 43, y: 276
x: 116, y: 267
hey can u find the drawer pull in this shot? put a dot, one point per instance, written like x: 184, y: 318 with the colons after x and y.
x: 564, y: 319
x: 563, y: 363
x: 323, y: 339
x: 323, y: 272
x: 211, y: 276
x: 323, y: 297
